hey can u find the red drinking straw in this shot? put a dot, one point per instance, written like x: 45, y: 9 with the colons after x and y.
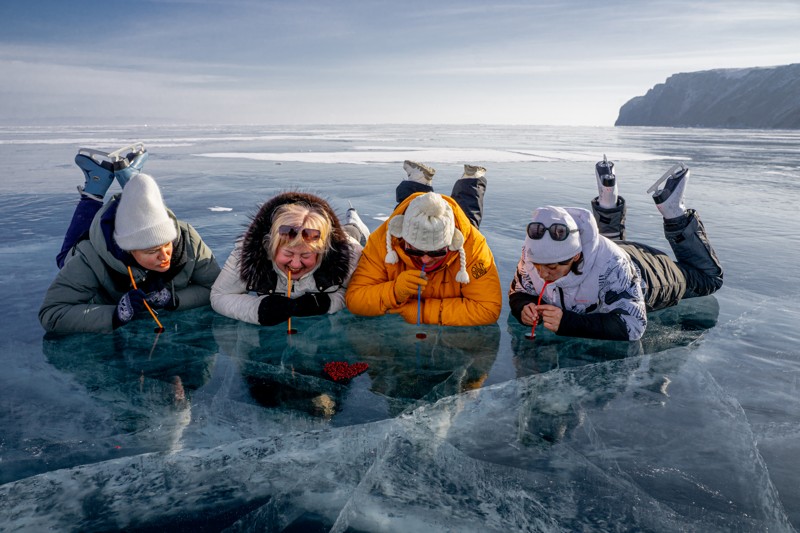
x: 536, y: 318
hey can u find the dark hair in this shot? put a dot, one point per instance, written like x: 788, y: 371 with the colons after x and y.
x: 575, y: 268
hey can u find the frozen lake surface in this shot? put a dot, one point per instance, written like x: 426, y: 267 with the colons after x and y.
x: 218, y: 425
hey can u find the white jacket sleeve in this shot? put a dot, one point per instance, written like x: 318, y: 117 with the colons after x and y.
x: 337, y: 298
x: 229, y: 296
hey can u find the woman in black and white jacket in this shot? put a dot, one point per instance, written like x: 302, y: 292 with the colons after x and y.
x: 580, y: 283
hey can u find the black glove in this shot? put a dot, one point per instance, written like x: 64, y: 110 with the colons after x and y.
x: 274, y: 309
x: 131, y: 303
x: 311, y: 304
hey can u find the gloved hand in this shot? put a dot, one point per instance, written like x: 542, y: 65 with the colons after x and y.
x: 161, y: 299
x: 407, y: 283
x: 311, y: 304
x: 274, y: 309
x: 131, y: 303
x: 158, y: 294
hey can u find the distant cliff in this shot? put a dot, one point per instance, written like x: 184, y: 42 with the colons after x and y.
x: 760, y: 97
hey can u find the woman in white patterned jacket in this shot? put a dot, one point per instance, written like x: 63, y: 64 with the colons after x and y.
x: 581, y: 283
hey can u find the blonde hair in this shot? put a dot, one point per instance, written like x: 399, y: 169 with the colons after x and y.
x: 302, y: 215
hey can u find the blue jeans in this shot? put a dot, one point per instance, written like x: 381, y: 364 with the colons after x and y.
x: 82, y: 218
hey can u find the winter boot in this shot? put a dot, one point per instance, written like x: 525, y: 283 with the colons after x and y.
x: 418, y: 172
x: 97, y: 169
x: 473, y: 171
x: 669, y: 198
x: 354, y: 226
x: 607, y: 194
x: 128, y: 162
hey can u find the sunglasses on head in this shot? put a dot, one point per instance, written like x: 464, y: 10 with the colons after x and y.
x: 419, y: 253
x: 309, y: 235
x: 557, y: 230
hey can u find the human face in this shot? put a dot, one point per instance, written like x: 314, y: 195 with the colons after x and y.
x: 157, y: 258
x: 299, y: 260
x: 430, y: 262
x: 554, y: 271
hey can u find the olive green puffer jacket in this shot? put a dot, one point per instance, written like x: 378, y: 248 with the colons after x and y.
x: 84, y: 295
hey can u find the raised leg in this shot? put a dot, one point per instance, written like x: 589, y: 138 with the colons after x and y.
x: 468, y: 192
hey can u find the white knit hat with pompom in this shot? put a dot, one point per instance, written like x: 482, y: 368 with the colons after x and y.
x: 428, y: 224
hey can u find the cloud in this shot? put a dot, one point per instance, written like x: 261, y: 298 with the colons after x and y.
x: 246, y: 61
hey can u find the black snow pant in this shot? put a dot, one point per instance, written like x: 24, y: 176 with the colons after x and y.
x: 696, y: 270
x: 467, y: 192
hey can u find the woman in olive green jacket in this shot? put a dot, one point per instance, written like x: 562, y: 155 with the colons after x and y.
x: 172, y: 266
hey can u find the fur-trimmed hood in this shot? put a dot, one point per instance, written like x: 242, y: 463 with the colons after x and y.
x: 256, y: 269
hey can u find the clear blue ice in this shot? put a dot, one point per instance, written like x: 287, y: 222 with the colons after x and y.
x: 219, y: 425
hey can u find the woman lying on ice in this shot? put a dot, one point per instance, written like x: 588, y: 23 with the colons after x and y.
x: 429, y: 262
x: 593, y: 287
x: 132, y: 235
x: 294, y: 238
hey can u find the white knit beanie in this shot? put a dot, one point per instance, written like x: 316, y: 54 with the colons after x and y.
x: 142, y: 220
x: 546, y: 251
x: 428, y: 224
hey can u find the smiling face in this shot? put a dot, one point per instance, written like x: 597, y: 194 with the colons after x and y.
x: 157, y: 258
x: 299, y: 260
x: 298, y: 238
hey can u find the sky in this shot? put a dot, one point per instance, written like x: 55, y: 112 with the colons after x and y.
x: 561, y: 62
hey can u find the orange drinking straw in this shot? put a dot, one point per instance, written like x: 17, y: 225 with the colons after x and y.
x: 133, y: 281
x: 289, y: 325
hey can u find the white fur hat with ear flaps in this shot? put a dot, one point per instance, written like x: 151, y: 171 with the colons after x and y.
x: 428, y: 224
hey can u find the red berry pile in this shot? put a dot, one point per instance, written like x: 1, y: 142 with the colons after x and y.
x: 343, y: 371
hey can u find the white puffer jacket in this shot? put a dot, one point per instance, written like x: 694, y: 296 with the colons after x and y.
x: 230, y: 295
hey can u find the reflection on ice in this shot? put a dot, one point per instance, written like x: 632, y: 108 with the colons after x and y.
x: 220, y: 425
x: 571, y: 449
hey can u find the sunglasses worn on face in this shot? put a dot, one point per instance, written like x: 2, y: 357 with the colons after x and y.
x: 309, y: 235
x: 558, y: 231
x: 419, y: 253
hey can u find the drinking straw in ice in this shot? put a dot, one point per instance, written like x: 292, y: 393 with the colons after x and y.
x: 532, y: 334
x: 289, y: 330
x: 421, y: 334
x: 160, y: 328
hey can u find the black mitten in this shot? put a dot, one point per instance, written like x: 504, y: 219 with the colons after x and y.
x: 131, y: 303
x: 273, y: 309
x: 311, y: 304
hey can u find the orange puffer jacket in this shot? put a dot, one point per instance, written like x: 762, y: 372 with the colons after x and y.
x: 445, y: 301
